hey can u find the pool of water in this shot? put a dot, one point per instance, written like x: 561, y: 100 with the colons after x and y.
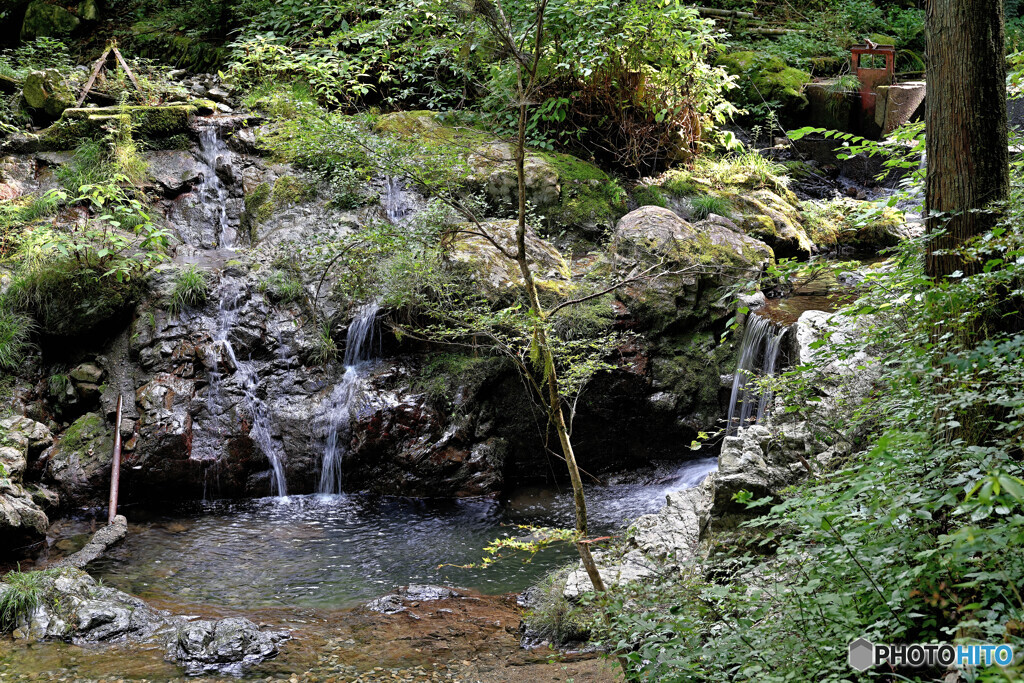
x: 341, y: 550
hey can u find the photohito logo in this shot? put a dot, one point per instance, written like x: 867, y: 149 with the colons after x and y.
x: 864, y: 654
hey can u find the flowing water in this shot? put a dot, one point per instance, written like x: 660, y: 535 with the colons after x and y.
x: 759, y: 356
x: 360, y: 346
x: 214, y: 152
x: 342, y: 550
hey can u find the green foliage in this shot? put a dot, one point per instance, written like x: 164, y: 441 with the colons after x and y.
x: 20, y: 593
x: 407, y: 53
x: 649, y: 195
x: 325, y: 349
x: 283, y: 286
x: 912, y: 532
x: 628, y: 82
x: 89, y: 165
x: 41, y: 53
x: 15, y: 332
x: 17, y: 215
x: 708, y: 204
x: 191, y: 289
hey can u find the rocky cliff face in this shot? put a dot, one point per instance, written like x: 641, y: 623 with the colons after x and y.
x: 219, y: 393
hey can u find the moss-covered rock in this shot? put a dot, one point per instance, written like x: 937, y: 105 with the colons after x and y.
x: 149, y: 122
x: 762, y: 78
x: 568, y: 192
x: 844, y: 223
x: 47, y: 91
x: 498, y: 276
x: 79, y: 464
x: 45, y: 19
x: 774, y: 219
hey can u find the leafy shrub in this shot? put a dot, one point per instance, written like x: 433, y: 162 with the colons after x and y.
x: 648, y: 195
x: 325, y: 349
x: 191, y: 289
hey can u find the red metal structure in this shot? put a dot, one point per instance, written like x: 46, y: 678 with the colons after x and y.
x: 869, y: 77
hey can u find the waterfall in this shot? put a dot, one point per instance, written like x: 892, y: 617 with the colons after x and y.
x: 360, y: 343
x: 759, y: 355
x: 212, y: 151
x: 396, y: 201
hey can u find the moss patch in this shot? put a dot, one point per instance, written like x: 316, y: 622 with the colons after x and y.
x: 762, y: 78
x: 149, y: 123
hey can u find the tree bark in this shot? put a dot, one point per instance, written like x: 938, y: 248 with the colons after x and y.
x: 967, y: 156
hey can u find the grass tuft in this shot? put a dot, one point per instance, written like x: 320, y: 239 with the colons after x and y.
x: 191, y: 288
x: 708, y: 204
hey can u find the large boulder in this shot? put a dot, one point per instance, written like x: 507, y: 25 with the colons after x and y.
x: 569, y: 193
x: 46, y: 19
x: 766, y: 79
x: 22, y: 519
x: 497, y: 274
x: 47, y: 91
x: 225, y: 645
x: 79, y: 464
x: 72, y: 606
x: 703, y: 248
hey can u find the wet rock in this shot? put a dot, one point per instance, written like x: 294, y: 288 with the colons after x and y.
x: 173, y: 172
x: 22, y: 519
x: 87, y: 372
x: 224, y: 645
x: 79, y: 464
x: 393, y: 603
x: 97, y: 545
x: 73, y: 607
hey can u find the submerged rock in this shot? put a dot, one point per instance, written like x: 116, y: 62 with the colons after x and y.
x: 393, y: 603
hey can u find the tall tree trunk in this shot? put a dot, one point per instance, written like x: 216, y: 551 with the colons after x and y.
x: 968, y: 161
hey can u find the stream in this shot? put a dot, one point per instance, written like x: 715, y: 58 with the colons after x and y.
x: 339, y: 551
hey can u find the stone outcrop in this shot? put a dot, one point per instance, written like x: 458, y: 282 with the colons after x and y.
x: 72, y: 606
x: 761, y: 460
x: 22, y: 516
x: 226, y: 645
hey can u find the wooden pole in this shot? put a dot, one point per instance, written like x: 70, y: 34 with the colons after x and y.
x: 115, y: 467
x: 92, y: 78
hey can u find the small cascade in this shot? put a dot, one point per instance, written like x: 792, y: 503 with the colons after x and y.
x: 396, y: 200
x: 759, y: 357
x: 211, y: 151
x: 360, y: 343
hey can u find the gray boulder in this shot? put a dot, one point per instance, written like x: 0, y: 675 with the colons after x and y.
x: 225, y: 645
